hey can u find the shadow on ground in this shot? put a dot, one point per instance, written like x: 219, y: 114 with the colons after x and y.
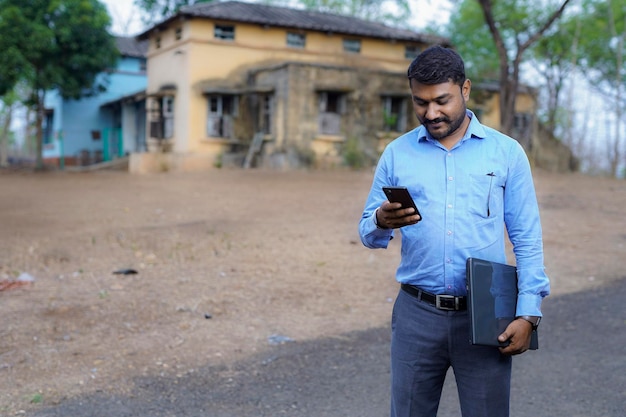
x: 579, y: 371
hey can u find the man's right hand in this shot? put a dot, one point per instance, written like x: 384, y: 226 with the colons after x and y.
x: 392, y: 216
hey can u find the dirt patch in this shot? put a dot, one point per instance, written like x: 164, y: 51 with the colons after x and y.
x: 229, y: 263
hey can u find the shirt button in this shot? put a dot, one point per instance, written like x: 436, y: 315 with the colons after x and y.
x: 449, y: 205
x: 449, y: 232
x: 450, y: 178
x: 448, y: 260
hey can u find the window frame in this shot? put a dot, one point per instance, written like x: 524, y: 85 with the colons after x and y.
x: 266, y: 112
x: 411, y: 51
x: 332, y: 107
x: 224, y: 32
x: 48, y: 127
x: 351, y: 45
x: 389, y: 104
x: 299, y: 38
x: 226, y: 109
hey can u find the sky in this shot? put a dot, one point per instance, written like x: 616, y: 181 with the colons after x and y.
x: 126, y: 20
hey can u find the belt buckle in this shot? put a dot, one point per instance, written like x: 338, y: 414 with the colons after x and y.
x: 446, y: 302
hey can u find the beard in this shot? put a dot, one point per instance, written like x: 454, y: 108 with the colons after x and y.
x: 451, y: 125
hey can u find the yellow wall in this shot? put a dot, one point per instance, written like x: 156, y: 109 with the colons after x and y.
x: 487, y: 103
x: 199, y: 57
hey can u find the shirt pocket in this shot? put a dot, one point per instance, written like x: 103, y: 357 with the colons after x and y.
x: 486, y: 196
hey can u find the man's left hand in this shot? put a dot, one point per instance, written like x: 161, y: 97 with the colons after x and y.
x: 518, y: 334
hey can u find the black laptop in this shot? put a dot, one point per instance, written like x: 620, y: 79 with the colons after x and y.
x: 491, y: 301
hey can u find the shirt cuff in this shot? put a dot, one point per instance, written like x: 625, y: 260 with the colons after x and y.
x: 528, y: 305
x: 375, y: 218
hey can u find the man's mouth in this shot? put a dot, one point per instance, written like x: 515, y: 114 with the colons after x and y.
x: 435, y: 122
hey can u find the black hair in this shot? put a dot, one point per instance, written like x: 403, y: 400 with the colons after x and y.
x: 437, y: 65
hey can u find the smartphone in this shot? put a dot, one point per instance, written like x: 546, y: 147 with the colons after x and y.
x: 400, y: 195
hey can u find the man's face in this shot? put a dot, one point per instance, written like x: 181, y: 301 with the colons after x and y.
x: 441, y: 107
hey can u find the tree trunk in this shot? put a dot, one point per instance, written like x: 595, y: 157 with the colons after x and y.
x: 41, y: 95
x: 5, y: 136
x: 509, y: 73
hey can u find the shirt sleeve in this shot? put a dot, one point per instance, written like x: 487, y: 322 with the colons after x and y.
x: 521, y: 215
x: 372, y: 236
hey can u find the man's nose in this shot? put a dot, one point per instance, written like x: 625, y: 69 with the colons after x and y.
x: 432, y: 111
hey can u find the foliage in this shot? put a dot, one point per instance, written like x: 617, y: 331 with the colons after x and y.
x: 604, y: 51
x: 36, y: 398
x: 353, y: 155
x: 219, y: 161
x: 517, y: 22
x: 375, y: 10
x: 157, y: 10
x: 603, y: 25
x: 559, y: 42
x: 555, y: 57
x: 390, y: 120
x: 514, y: 26
x: 7, y: 107
x: 61, y: 44
x: 471, y: 38
x: 305, y: 155
x: 54, y: 44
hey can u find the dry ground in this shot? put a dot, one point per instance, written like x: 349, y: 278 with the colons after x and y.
x: 228, y: 263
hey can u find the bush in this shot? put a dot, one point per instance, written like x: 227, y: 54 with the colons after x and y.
x: 353, y: 155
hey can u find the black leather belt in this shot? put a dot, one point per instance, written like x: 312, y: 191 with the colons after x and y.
x: 441, y: 301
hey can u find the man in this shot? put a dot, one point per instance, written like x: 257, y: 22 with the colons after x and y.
x: 468, y: 182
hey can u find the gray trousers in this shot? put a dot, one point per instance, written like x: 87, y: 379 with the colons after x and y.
x: 425, y: 342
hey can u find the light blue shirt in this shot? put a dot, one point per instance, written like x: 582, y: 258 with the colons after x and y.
x: 466, y: 196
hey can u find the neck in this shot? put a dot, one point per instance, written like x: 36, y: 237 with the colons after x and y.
x: 449, y: 141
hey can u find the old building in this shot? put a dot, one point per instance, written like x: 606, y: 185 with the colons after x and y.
x: 234, y: 82
x: 102, y: 127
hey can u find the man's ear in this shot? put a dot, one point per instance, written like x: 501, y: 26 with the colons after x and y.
x: 466, y: 88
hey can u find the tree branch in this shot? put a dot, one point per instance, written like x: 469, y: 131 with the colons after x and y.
x: 532, y: 39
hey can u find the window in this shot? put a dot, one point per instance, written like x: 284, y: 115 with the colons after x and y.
x: 522, y: 122
x: 167, y: 110
x: 157, y: 43
x: 179, y: 33
x: 265, y: 116
x: 352, y: 46
x: 222, y: 110
x: 332, y: 105
x: 224, y: 32
x: 162, y: 125
x: 523, y: 128
x: 394, y: 114
x: 47, y: 127
x: 296, y: 40
x: 143, y: 64
x: 411, y: 51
